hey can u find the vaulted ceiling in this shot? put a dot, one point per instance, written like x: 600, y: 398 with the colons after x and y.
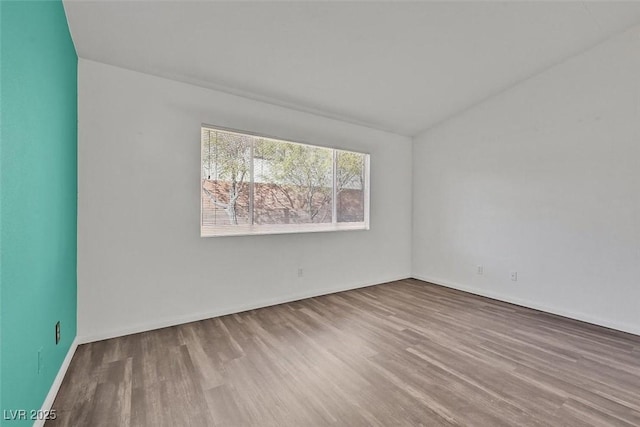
x: 396, y: 66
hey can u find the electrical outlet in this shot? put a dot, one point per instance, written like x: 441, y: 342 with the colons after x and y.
x: 300, y: 272
x: 514, y: 276
x: 57, y: 332
x: 480, y: 270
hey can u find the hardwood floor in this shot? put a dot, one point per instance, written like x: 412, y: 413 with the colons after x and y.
x: 402, y: 353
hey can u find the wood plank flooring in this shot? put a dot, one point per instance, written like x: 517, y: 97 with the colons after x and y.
x: 401, y: 353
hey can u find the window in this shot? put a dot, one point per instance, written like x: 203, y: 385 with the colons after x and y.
x: 258, y: 185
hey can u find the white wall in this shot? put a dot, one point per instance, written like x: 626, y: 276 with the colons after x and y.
x: 543, y: 179
x: 141, y: 261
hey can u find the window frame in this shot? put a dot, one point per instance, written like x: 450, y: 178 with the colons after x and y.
x: 252, y: 229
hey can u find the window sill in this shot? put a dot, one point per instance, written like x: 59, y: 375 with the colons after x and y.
x: 250, y: 230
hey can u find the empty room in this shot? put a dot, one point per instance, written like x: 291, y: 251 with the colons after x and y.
x: 319, y: 213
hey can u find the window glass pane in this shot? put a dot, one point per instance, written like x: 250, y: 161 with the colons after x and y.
x: 259, y: 185
x: 350, y: 182
x: 225, y: 178
x: 293, y: 183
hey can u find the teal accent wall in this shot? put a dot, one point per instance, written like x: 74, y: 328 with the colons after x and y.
x: 38, y: 199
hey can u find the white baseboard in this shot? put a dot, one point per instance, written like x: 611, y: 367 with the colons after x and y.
x: 623, y: 327
x: 57, y: 382
x: 194, y: 317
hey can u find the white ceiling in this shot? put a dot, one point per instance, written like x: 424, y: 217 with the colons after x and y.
x: 396, y: 66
